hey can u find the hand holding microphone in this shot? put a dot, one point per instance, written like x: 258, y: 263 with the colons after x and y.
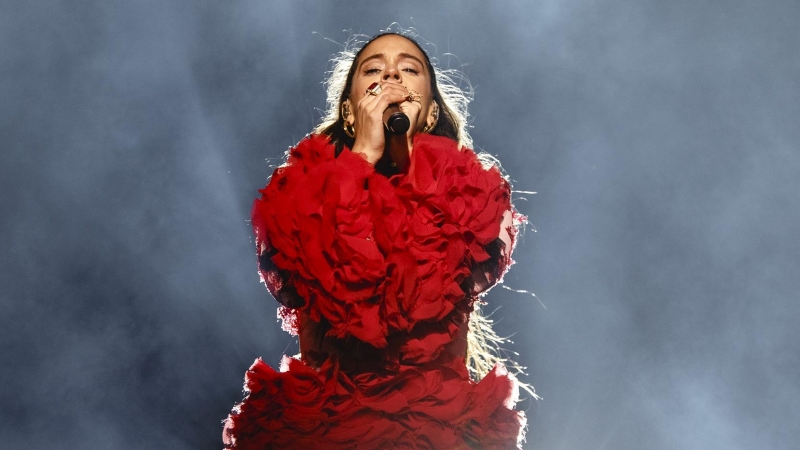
x: 381, y: 123
x: 394, y: 120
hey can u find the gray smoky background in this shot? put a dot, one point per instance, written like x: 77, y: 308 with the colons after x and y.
x: 661, y: 137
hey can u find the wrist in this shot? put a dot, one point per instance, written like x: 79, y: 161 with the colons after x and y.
x: 372, y: 155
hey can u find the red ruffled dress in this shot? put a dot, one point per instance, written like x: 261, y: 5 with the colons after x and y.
x: 378, y: 275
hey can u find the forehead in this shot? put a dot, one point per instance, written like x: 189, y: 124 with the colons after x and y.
x: 391, y: 44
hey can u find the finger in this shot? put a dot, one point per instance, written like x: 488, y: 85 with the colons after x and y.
x: 410, y: 95
x: 411, y: 107
x: 375, y: 90
x: 390, y: 93
x: 378, y: 105
x: 413, y: 111
x: 394, y: 88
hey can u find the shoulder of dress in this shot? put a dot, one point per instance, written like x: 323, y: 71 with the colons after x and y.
x: 315, y: 149
x: 438, y: 155
x: 312, y: 149
x: 430, y: 141
x: 442, y: 146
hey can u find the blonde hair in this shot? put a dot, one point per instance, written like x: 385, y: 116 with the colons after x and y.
x: 485, y: 350
x: 453, y: 90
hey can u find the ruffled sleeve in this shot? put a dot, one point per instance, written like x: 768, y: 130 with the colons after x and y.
x: 470, y: 201
x: 315, y: 235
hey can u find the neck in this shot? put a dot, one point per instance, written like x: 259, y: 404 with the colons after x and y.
x: 399, y: 150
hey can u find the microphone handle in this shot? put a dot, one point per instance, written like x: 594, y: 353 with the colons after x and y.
x: 395, y: 121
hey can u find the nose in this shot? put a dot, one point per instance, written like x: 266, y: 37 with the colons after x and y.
x: 392, y: 74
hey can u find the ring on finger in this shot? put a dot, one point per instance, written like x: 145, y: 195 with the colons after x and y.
x: 374, y: 89
x: 413, y: 96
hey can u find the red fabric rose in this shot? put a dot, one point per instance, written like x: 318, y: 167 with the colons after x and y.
x: 427, y: 407
x: 455, y: 209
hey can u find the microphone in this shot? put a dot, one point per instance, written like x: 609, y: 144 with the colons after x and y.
x: 395, y: 121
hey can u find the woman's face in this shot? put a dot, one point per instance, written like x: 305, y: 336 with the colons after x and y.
x: 394, y: 59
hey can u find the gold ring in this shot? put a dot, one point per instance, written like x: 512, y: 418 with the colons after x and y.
x: 413, y: 96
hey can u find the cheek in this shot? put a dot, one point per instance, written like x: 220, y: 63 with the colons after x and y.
x: 420, y: 85
x: 356, y: 90
x: 427, y: 95
x: 359, y: 89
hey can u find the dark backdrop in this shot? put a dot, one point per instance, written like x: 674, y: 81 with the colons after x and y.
x: 662, y: 139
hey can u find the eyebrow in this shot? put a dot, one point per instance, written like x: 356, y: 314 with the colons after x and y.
x: 383, y: 56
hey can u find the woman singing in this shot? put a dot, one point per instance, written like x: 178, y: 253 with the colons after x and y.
x: 378, y: 245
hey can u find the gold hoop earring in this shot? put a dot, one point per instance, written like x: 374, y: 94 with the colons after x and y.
x: 349, y: 130
x: 430, y: 127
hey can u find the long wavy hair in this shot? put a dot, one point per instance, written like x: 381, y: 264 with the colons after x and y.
x: 453, y: 93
